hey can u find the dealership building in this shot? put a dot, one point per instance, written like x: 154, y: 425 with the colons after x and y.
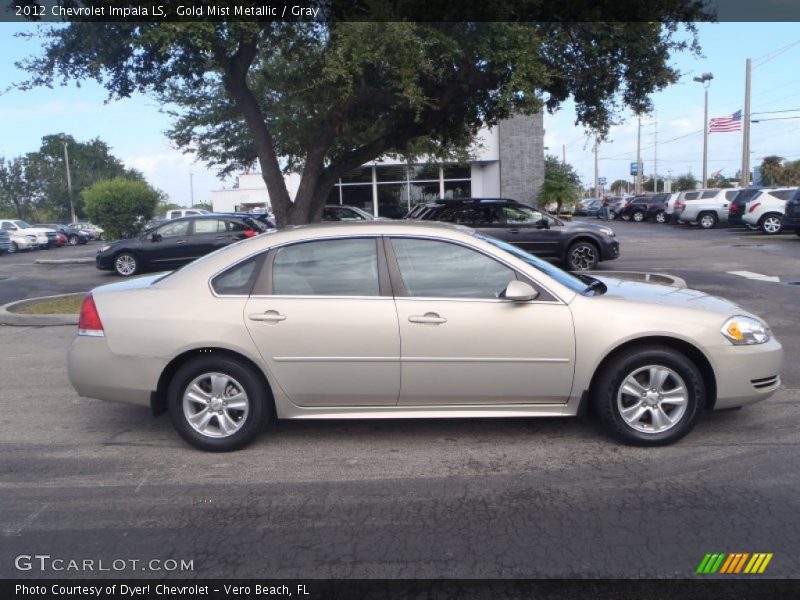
x: 508, y: 162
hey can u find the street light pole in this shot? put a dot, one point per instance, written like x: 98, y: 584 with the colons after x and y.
x: 69, y: 180
x: 705, y: 79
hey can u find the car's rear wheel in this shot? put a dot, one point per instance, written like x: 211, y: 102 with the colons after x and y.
x: 708, y: 220
x: 638, y: 216
x: 661, y: 217
x: 625, y: 216
x: 582, y: 256
x: 217, y: 403
x: 649, y: 396
x: 74, y: 240
x: 126, y: 264
x: 771, y: 224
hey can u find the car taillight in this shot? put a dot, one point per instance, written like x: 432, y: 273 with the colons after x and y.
x: 249, y: 232
x: 734, y: 208
x: 755, y: 206
x: 89, y: 322
x: 678, y: 203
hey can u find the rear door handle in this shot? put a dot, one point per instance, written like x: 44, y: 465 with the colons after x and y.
x: 430, y: 318
x: 271, y: 316
x: 513, y: 231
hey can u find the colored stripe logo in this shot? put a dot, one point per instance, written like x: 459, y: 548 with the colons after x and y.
x: 735, y: 563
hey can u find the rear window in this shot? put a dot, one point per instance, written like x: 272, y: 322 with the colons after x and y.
x: 239, y: 279
x: 730, y: 195
x: 783, y: 194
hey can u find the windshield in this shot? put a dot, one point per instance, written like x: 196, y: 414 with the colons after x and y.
x: 22, y: 224
x: 562, y: 277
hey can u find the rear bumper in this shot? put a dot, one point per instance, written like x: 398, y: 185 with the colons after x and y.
x: 746, y: 374
x: 791, y: 221
x: 95, y: 372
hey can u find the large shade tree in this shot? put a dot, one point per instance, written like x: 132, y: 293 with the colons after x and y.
x: 326, y: 97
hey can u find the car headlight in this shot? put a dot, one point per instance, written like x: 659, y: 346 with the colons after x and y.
x: 106, y: 247
x: 607, y: 231
x: 746, y: 331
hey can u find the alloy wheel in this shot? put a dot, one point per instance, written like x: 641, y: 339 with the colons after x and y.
x: 125, y: 265
x: 661, y: 217
x: 772, y: 225
x: 13, y: 248
x: 707, y: 221
x: 215, y: 405
x: 638, y: 216
x: 583, y: 257
x: 652, y: 399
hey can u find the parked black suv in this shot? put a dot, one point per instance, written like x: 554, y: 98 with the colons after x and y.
x: 579, y: 245
x: 644, y: 207
x: 791, y: 218
x: 175, y: 243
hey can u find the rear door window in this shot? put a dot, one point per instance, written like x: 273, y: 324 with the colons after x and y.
x: 709, y: 194
x: 691, y: 196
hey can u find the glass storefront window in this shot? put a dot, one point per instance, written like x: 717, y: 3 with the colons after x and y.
x: 360, y: 175
x: 457, y: 189
x: 425, y: 172
x: 358, y: 195
x: 392, y: 200
x: 396, y: 173
x: 424, y: 192
x: 457, y: 172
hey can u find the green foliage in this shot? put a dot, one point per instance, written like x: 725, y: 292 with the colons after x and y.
x: 775, y: 170
x: 618, y: 186
x: 561, y: 183
x: 34, y: 186
x: 684, y: 183
x: 326, y: 97
x: 120, y: 206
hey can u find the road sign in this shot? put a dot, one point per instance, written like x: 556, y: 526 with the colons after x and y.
x: 601, y: 180
x: 634, y: 168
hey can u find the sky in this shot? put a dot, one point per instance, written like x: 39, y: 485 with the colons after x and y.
x: 134, y: 128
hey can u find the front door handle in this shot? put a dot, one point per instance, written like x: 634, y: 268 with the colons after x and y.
x: 513, y: 231
x: 430, y: 318
x: 271, y: 316
x: 180, y: 242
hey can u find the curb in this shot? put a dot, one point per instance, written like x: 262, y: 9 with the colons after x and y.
x: 21, y: 320
x: 644, y: 277
x: 64, y: 261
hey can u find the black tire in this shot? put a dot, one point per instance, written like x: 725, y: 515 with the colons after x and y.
x: 639, y: 216
x: 625, y: 216
x: 606, y: 395
x: 74, y: 240
x: 582, y: 256
x: 661, y: 217
x: 707, y: 220
x: 771, y: 224
x: 126, y: 264
x: 249, y: 425
x: 13, y: 248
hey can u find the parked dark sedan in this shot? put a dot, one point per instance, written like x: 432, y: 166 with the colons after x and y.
x: 791, y: 218
x: 579, y: 245
x: 175, y: 243
x: 74, y: 235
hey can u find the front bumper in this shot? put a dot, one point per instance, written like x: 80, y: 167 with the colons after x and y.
x: 746, y: 374
x: 104, y: 263
x: 95, y: 372
x: 609, y: 250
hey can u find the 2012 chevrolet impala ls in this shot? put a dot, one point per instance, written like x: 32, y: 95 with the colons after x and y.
x: 391, y: 319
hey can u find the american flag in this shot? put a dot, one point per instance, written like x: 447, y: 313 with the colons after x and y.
x: 732, y: 123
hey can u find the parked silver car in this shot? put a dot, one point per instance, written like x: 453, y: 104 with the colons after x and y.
x: 387, y: 319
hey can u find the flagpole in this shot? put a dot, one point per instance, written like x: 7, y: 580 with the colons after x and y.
x: 745, y: 179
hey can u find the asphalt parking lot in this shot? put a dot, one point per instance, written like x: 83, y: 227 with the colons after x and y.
x: 406, y: 499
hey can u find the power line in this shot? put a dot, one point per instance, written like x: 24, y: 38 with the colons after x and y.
x: 762, y: 60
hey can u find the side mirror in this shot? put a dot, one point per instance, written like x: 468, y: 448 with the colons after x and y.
x: 519, y: 291
x: 543, y: 224
x: 156, y: 237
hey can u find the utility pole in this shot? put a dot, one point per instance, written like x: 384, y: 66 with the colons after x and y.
x: 69, y: 180
x: 596, y: 172
x: 191, y: 189
x: 655, y: 154
x: 563, y: 155
x: 705, y: 79
x: 746, y: 128
x: 638, y: 187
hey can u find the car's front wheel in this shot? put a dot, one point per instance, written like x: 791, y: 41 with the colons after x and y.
x: 649, y: 396
x: 638, y: 216
x: 217, y: 403
x: 126, y: 264
x: 13, y: 248
x: 625, y: 216
x: 582, y: 256
x: 74, y: 240
x: 771, y: 224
